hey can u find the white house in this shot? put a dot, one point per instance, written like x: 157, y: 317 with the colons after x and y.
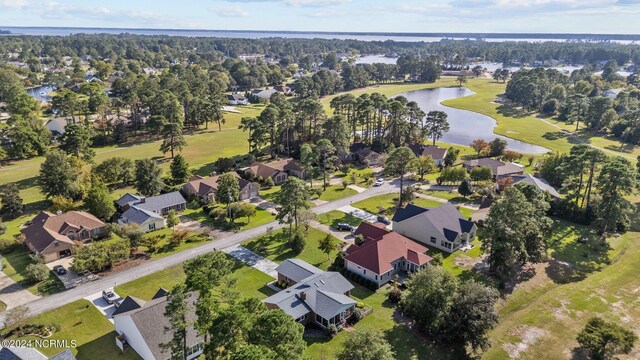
x: 147, y: 220
x: 141, y: 325
x: 237, y: 99
x: 442, y: 227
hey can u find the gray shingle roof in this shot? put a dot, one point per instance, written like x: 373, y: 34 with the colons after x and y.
x: 540, y: 183
x: 446, y: 218
x: 151, y: 322
x: 322, y: 294
x: 297, y: 270
x: 128, y: 198
x: 64, y: 355
x: 129, y: 303
x: 159, y: 202
x: 137, y: 215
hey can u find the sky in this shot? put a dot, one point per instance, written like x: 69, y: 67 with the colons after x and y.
x: 546, y: 16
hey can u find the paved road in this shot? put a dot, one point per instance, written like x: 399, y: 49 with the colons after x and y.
x: 85, y: 290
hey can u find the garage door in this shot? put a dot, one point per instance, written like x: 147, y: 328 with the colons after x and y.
x: 254, y: 193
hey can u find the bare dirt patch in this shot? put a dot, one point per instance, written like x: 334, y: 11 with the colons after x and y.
x: 528, y: 335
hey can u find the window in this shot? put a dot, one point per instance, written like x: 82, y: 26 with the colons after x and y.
x: 433, y: 240
x: 194, y: 349
x: 376, y: 277
x: 152, y: 226
x: 301, y: 318
x: 365, y: 271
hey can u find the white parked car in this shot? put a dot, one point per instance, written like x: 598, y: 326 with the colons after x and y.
x: 109, y: 295
x: 379, y: 182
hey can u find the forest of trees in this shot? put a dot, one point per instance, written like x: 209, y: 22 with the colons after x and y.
x: 581, y: 99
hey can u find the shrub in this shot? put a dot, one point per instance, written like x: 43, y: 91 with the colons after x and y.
x: 36, y: 272
x: 360, y: 305
x: 269, y: 182
x: 438, y: 259
x: 356, y: 316
x: 7, y: 246
x: 333, y: 330
x: 395, y: 295
x: 178, y: 237
x: 297, y: 243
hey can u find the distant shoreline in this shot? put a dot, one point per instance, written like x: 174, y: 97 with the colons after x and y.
x: 42, y: 30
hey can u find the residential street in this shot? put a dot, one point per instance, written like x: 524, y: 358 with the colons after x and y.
x: 81, y: 291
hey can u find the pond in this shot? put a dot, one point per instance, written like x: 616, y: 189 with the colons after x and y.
x: 41, y: 93
x: 465, y: 126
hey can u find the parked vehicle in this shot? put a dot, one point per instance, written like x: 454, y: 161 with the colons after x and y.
x: 383, y: 219
x: 109, y: 295
x: 59, y: 269
x: 117, y: 302
x: 379, y: 182
x: 345, y: 227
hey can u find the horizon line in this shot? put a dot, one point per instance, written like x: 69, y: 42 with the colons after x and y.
x: 407, y: 34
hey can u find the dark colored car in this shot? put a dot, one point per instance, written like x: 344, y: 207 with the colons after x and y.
x: 345, y: 227
x: 383, y: 219
x: 59, y: 269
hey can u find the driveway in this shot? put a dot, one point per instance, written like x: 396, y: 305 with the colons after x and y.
x: 13, y: 294
x: 252, y: 259
x: 345, y: 236
x: 102, y: 305
x: 264, y: 204
x: 70, y: 278
x: 360, y: 214
x: 225, y: 240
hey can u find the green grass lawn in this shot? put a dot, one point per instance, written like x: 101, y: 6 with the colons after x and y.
x: 274, y: 247
x: 260, y: 218
x: 83, y: 323
x: 270, y: 193
x: 334, y: 217
x: 250, y: 282
x: 335, y: 192
x: 387, y: 202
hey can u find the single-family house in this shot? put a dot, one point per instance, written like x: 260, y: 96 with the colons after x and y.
x: 383, y: 254
x: 206, y: 188
x: 52, y: 236
x: 57, y: 125
x: 540, y: 183
x: 31, y: 353
x: 441, y: 227
x: 141, y: 325
x: 359, y: 152
x: 159, y: 204
x: 499, y: 169
x: 263, y: 94
x: 147, y: 220
x: 481, y: 214
x: 315, y: 296
x: 278, y: 170
x: 237, y: 99
x: 283, y: 89
x: 435, y: 152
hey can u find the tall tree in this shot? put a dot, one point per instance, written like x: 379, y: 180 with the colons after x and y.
x: 228, y: 190
x: 173, y: 138
x: 99, y: 201
x: 179, y: 169
x: 617, y: 179
x: 436, y: 125
x: 424, y: 165
x: 603, y: 340
x: 366, y: 345
x: 293, y: 198
x: 326, y: 158
x: 176, y: 311
x: 148, y: 177
x: 77, y: 141
x: 399, y: 162
x: 10, y: 199
x: 327, y: 245
x: 57, y: 175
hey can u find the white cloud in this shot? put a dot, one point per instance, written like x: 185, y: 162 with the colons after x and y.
x: 229, y: 11
x: 299, y: 3
x: 13, y: 4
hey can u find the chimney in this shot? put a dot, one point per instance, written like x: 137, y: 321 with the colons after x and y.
x: 59, y: 212
x: 303, y: 295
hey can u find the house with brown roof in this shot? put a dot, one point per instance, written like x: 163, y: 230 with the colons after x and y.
x: 52, y: 236
x: 499, y: 169
x: 144, y: 326
x: 435, y: 152
x: 383, y: 254
x: 206, y: 188
x: 278, y: 170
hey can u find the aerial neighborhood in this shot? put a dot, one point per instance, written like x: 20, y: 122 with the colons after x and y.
x: 200, y: 197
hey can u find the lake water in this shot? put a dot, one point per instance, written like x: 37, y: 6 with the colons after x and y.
x: 376, y: 59
x: 41, y: 93
x: 465, y: 126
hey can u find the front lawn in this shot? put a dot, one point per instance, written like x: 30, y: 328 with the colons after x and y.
x: 16, y: 262
x: 388, y: 203
x: 81, y: 322
x: 260, y: 218
x: 275, y: 247
x: 335, y: 192
x: 250, y: 282
x: 334, y: 217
